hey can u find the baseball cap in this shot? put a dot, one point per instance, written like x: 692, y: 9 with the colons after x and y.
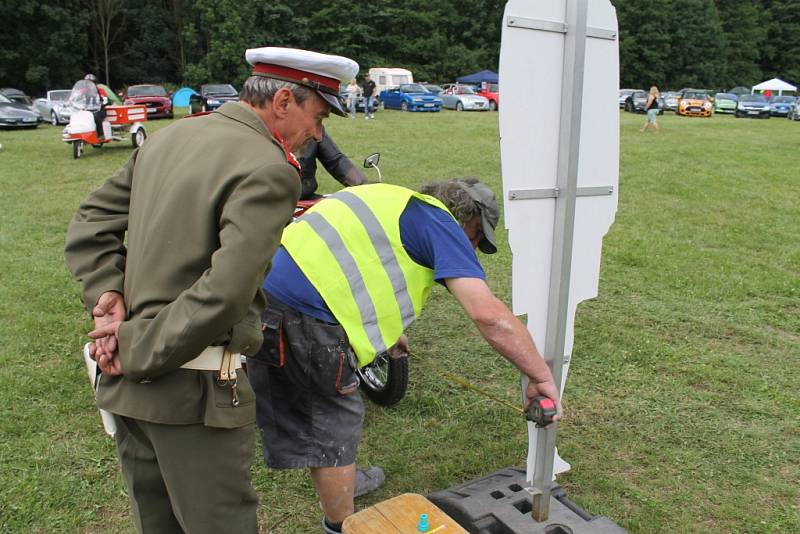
x: 321, y: 72
x: 490, y: 213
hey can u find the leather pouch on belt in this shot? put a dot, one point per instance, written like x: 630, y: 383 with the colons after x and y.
x: 273, y: 349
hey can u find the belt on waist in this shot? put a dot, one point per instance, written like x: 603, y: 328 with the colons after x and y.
x: 215, y: 359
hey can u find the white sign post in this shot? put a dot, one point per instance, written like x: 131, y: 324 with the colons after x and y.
x: 559, y: 129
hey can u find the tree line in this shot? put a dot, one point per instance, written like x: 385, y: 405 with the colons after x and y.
x: 670, y: 43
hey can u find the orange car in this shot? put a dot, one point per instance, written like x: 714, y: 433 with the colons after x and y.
x: 694, y: 103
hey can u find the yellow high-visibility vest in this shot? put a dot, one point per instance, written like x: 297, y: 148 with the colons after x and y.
x: 349, y: 247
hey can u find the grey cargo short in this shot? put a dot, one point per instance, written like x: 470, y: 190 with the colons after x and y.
x: 308, y: 406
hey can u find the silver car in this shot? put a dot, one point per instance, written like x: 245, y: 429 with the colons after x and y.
x: 55, y: 106
x: 17, y: 115
x: 463, y: 98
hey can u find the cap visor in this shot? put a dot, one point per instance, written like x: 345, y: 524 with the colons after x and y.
x: 333, y: 102
x: 487, y: 245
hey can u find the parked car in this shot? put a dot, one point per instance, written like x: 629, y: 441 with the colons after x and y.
x: 694, y: 103
x: 623, y: 97
x: 410, y: 97
x: 725, y: 102
x: 432, y: 88
x: 212, y: 96
x: 54, y: 106
x: 155, y: 97
x: 670, y: 99
x: 739, y: 90
x: 637, y: 102
x: 16, y: 114
x: 15, y: 95
x: 463, y: 98
x: 781, y: 105
x: 491, y: 92
x: 752, y: 106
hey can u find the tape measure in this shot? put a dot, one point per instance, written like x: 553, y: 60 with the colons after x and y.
x: 541, y: 411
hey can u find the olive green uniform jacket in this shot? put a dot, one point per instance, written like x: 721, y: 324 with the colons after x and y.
x: 203, y: 203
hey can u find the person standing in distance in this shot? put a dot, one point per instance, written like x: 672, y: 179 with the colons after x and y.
x: 171, y: 252
x: 651, y: 108
x: 369, y: 97
x: 353, y: 91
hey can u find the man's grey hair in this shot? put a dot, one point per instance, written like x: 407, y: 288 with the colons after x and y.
x: 453, y: 195
x: 258, y: 90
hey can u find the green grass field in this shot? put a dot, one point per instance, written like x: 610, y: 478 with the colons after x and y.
x: 682, y: 410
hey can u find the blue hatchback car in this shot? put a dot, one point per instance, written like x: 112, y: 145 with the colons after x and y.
x: 410, y: 97
x: 781, y: 105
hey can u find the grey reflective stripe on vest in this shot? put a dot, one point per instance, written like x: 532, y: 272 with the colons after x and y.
x: 369, y: 318
x: 385, y: 252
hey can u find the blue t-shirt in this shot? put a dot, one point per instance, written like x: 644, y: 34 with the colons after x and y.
x: 431, y: 237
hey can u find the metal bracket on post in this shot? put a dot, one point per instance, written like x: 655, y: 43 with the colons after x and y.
x: 555, y: 192
x: 561, y: 263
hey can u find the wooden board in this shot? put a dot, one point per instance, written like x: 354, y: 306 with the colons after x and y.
x: 400, y: 515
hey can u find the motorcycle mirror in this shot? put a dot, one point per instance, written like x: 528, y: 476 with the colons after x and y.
x: 372, y: 160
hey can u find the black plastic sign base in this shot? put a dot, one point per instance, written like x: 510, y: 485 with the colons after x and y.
x: 499, y: 504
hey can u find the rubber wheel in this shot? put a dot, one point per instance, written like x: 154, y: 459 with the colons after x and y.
x: 629, y: 106
x: 492, y: 105
x: 385, y: 380
x: 77, y: 149
x: 737, y: 114
x: 138, y: 137
x: 459, y: 106
x: 53, y: 118
x: 403, y: 106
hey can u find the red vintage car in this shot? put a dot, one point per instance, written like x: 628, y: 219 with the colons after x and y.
x: 154, y: 97
x: 491, y: 92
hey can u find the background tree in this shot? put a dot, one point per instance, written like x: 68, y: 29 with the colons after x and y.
x: 45, y: 45
x: 780, y: 52
x: 644, y: 52
x: 696, y: 45
x: 107, y: 23
x: 744, y: 32
x: 669, y: 43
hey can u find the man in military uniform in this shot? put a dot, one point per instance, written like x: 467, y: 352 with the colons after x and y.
x: 203, y: 204
x: 350, y: 276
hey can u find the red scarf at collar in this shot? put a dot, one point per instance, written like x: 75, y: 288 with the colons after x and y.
x: 289, y: 156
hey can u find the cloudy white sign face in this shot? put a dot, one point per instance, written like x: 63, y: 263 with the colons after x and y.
x: 535, y: 83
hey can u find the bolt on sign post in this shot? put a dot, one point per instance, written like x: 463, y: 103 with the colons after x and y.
x: 559, y: 130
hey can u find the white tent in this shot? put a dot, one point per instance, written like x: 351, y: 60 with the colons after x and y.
x: 774, y: 85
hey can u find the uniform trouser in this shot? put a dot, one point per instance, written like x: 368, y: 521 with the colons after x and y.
x: 188, y: 478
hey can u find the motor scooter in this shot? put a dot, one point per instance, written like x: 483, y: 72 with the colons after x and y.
x: 119, y: 123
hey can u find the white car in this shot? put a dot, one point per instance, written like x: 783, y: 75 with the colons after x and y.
x: 54, y: 107
x: 463, y: 98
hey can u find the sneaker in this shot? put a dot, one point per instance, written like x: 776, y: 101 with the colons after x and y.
x: 368, y: 479
x: 328, y: 529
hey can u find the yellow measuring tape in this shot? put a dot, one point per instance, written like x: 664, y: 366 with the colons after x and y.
x: 463, y: 383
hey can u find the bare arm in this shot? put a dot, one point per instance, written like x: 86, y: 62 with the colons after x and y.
x: 505, y: 333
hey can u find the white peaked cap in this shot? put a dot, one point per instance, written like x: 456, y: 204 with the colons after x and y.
x: 321, y: 72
